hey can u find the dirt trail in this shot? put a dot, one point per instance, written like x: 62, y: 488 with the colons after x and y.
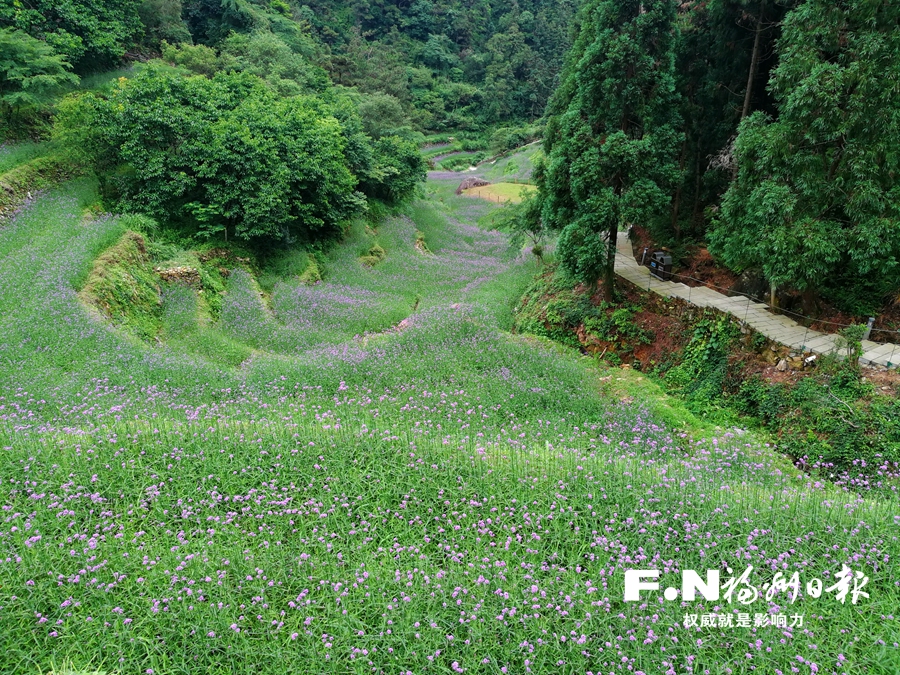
x: 452, y: 175
x: 437, y: 159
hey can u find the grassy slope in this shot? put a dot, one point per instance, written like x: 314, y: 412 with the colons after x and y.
x: 123, y: 287
x: 518, y: 166
x: 15, y: 154
x: 439, y: 497
x: 27, y: 167
x: 501, y: 193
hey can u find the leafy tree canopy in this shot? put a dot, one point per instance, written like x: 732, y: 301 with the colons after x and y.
x: 260, y: 53
x: 89, y: 34
x: 29, y: 69
x: 382, y: 115
x: 817, y: 198
x: 162, y: 21
x: 223, y: 155
x: 488, y: 61
x: 611, y: 135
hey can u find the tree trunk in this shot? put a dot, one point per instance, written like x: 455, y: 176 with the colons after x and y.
x: 696, y: 215
x: 754, y: 61
x: 676, y: 202
x: 609, y: 272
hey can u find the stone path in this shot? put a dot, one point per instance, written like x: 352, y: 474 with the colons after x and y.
x: 778, y: 328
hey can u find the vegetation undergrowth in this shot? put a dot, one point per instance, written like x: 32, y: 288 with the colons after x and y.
x: 124, y: 288
x: 830, y: 421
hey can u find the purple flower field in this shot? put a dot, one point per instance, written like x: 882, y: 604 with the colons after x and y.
x: 382, y: 490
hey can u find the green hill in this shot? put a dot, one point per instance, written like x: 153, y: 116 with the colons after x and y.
x: 370, y: 472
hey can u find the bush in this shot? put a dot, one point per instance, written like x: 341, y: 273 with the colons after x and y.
x: 198, y: 59
x: 850, y: 340
x: 700, y: 374
x: 397, y: 171
x: 617, y: 325
x: 373, y: 256
x: 248, y: 164
x: 835, y: 422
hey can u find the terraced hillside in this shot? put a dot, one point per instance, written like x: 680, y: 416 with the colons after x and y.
x: 371, y: 474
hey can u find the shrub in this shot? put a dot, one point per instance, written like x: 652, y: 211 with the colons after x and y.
x: 312, y: 274
x: 248, y: 164
x: 617, y: 325
x: 701, y: 373
x: 509, y: 138
x: 850, y: 339
x: 373, y: 256
x: 551, y: 307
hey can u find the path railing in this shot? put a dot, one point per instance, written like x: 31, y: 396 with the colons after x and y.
x: 777, y: 327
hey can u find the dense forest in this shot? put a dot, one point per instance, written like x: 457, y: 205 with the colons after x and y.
x: 765, y: 129
x: 760, y: 128
x: 459, y: 65
x: 451, y: 65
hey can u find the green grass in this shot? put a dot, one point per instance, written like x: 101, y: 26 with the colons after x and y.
x: 290, y: 264
x: 30, y: 170
x: 372, y: 474
x: 501, y: 192
x: 13, y: 155
x: 518, y: 165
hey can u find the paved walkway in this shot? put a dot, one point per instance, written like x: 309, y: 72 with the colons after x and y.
x: 775, y: 327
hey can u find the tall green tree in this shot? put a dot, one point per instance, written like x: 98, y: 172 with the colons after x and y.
x: 382, y: 115
x: 162, y: 21
x: 611, y: 136
x: 266, y: 55
x: 722, y: 47
x: 223, y: 156
x: 389, y: 168
x: 816, y: 202
x: 507, y: 75
x: 90, y: 34
x: 29, y: 70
